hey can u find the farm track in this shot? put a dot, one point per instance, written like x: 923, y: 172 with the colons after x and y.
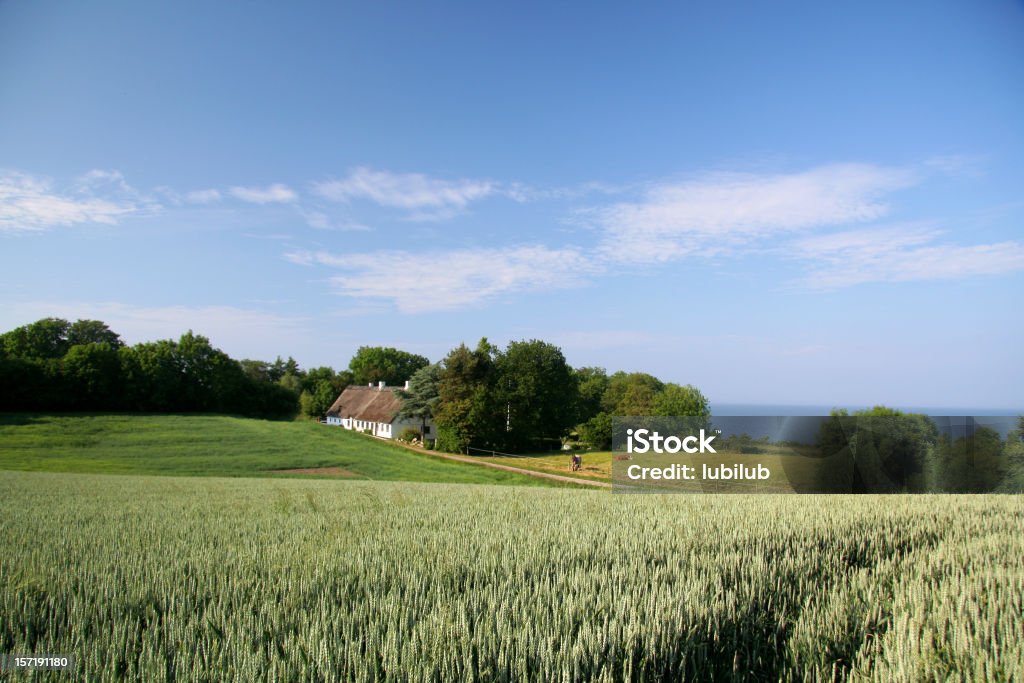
x: 508, y: 468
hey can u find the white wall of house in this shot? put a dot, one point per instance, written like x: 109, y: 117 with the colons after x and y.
x: 383, y: 430
x: 399, y: 426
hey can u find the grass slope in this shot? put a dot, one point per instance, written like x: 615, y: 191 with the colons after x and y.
x: 219, y: 446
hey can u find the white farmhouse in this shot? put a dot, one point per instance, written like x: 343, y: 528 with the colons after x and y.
x: 372, y: 409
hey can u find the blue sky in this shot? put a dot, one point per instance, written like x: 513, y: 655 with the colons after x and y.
x: 777, y: 202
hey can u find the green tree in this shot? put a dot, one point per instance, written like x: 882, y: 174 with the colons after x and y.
x: 592, y: 383
x: 321, y: 399
x: 539, y: 392
x: 974, y: 463
x: 93, y: 374
x: 597, y: 431
x: 631, y: 393
x: 292, y: 382
x: 306, y: 404
x: 93, y: 332
x: 1013, y: 455
x: 43, y: 339
x: 420, y: 401
x: 212, y: 380
x: 674, y: 399
x: 467, y: 413
x: 384, y: 364
x: 152, y: 376
x: 886, y: 448
x: 638, y: 399
x: 256, y: 370
x: 187, y: 375
x: 26, y: 384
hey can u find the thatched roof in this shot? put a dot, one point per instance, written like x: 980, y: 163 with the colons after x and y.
x: 367, y: 403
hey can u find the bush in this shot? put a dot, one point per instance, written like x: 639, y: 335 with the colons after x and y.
x: 409, y: 434
x: 450, y: 440
x: 597, y: 431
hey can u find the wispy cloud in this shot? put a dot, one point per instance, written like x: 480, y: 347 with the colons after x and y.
x: 103, y: 180
x: 276, y: 193
x: 971, y: 166
x: 724, y: 210
x: 280, y: 236
x: 203, y: 196
x: 321, y: 221
x: 439, y: 281
x: 421, y: 195
x: 900, y: 254
x: 32, y: 204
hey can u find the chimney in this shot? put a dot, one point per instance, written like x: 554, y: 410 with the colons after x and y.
x: 407, y: 385
x: 380, y: 386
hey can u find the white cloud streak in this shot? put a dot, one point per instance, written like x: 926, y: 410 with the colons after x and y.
x: 426, y: 198
x: 721, y: 211
x: 321, y: 221
x: 31, y: 204
x: 203, y: 196
x: 900, y: 254
x: 442, y: 281
x: 273, y: 194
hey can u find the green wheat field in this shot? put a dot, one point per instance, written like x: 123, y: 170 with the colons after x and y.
x: 208, y: 579
x: 405, y: 567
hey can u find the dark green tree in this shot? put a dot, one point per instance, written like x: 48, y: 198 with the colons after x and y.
x: 974, y: 463
x: 592, y: 383
x: 420, y: 401
x: 467, y: 413
x: 93, y: 332
x: 539, y: 392
x: 384, y: 364
x: 43, y: 339
x: 596, y: 432
x: 1013, y: 454
x: 885, y: 449
x: 93, y: 376
x: 153, y: 378
x: 256, y: 370
x: 316, y: 403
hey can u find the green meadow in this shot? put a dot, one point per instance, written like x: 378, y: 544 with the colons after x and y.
x: 214, y: 445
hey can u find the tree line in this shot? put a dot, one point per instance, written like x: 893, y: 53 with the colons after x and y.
x: 520, y: 398
x: 56, y: 365
x: 526, y: 397
x: 882, y: 450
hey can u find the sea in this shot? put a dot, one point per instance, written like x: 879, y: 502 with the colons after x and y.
x: 820, y: 409
x: 801, y: 422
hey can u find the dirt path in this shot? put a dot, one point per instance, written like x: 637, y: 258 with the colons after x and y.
x: 507, y: 468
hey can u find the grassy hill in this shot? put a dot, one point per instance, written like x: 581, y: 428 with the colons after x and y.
x: 215, y: 445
